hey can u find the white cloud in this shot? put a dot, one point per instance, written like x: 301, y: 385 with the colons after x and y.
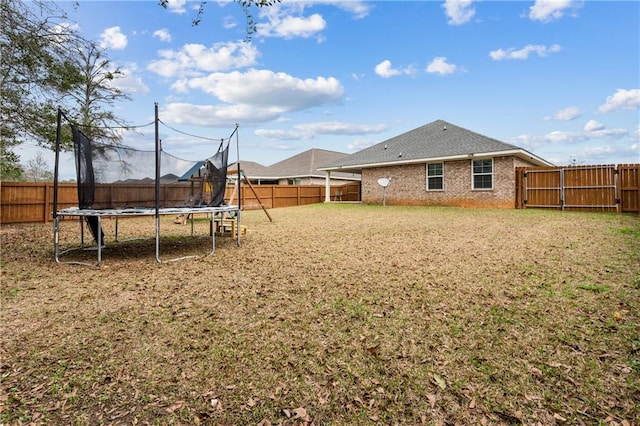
x: 216, y: 115
x: 627, y: 153
x: 385, y: 70
x: 360, y: 144
x: 622, y: 99
x: 311, y: 130
x: 63, y: 31
x: 565, y: 114
x: 176, y: 6
x: 113, y: 38
x: 551, y: 10
x: 288, y: 27
x: 339, y: 128
x: 593, y: 125
x: 229, y: 22
x: 358, y: 9
x: 279, y: 92
x: 440, y: 66
x: 459, y: 11
x: 162, y: 34
x: 193, y: 59
x: 592, y: 130
x: 128, y: 81
x: 524, y: 53
x: 559, y: 136
x: 287, y: 19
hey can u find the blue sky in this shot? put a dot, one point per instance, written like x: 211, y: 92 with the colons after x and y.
x: 560, y: 78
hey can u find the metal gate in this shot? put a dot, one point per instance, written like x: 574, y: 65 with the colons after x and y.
x: 588, y: 188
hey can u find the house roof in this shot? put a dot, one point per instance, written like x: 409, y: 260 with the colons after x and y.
x: 306, y: 164
x: 301, y: 165
x: 436, y: 141
x: 250, y: 168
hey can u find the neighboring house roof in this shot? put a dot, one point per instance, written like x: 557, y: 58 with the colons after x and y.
x: 436, y: 141
x: 251, y: 169
x: 306, y: 164
x: 302, y: 165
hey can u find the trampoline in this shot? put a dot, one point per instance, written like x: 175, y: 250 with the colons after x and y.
x: 104, y: 172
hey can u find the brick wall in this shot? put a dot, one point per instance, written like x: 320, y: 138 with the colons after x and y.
x: 409, y: 185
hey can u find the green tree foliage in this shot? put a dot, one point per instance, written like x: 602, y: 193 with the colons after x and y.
x: 46, y: 64
x: 10, y: 168
x: 244, y: 4
x: 36, y: 72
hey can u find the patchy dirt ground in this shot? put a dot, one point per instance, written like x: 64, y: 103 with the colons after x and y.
x: 332, y: 314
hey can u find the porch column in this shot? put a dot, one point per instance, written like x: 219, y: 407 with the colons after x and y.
x: 327, y: 187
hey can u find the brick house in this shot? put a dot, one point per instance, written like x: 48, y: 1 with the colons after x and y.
x: 439, y: 164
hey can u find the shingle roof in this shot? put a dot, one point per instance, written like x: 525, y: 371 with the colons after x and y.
x: 300, y: 165
x: 306, y: 164
x: 436, y: 140
x: 250, y: 168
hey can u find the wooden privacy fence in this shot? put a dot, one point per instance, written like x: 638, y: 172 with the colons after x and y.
x: 33, y: 201
x: 597, y: 188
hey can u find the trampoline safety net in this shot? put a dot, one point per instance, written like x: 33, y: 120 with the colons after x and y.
x: 116, y: 176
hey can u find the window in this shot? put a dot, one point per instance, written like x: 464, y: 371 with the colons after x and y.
x: 483, y: 174
x: 435, y: 177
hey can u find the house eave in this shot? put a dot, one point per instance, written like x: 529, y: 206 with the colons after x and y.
x: 520, y: 153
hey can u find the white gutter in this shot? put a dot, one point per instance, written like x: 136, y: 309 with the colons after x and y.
x: 517, y: 152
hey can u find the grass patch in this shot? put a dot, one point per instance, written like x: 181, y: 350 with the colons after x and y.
x: 594, y: 287
x: 332, y: 314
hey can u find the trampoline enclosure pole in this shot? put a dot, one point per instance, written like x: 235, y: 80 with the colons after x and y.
x: 158, y: 149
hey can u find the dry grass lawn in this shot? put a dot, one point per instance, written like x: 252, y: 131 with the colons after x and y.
x: 330, y: 315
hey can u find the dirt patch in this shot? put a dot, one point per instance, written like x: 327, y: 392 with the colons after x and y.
x: 332, y: 314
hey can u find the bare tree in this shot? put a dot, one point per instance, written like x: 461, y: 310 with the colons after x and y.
x: 92, y: 100
x: 37, y: 170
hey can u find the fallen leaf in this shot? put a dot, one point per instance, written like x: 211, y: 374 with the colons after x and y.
x: 432, y: 399
x: 439, y: 381
x: 251, y: 402
x: 559, y: 418
x: 216, y: 404
x: 264, y: 422
x: 300, y: 413
x: 472, y: 403
x: 175, y: 406
x: 536, y: 372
